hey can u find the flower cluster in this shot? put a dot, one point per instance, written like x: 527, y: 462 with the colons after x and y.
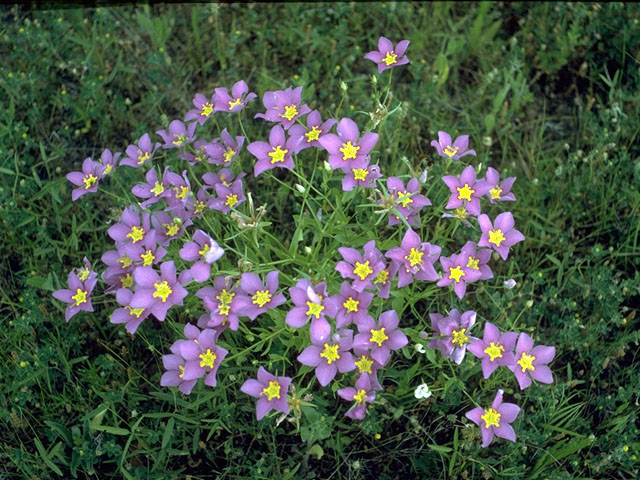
x: 347, y: 335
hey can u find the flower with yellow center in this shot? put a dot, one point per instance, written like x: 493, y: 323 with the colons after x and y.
x: 126, y: 280
x: 360, y: 174
x: 359, y: 396
x: 330, y: 353
x: 181, y: 374
x: 414, y: 257
x: 494, y: 350
x: 125, y: 261
x: 461, y: 213
x: 234, y: 103
x: 181, y: 192
x: 200, y: 206
x: 136, y: 234
x: 228, y: 155
x: 163, y: 290
x: 80, y: 297
x: 158, y: 189
x: 349, y: 150
x: 382, y: 277
x: 404, y: 197
x: 464, y: 193
x: 147, y: 258
x: 261, y: 298
x: 449, y: 151
x: 108, y: 169
x: 290, y: 111
x: 390, y: 58
x: 364, y: 364
x: 207, y: 359
x: 179, y: 140
x: 277, y: 155
x: 459, y: 338
x: 83, y: 274
x: 378, y: 336
x: 225, y: 297
x: 232, y: 200
x: 496, y: 237
x: 351, y: 305
x: 362, y: 270
x: 171, y: 229
x: 207, y: 109
x: 134, y: 312
x: 495, y: 193
x: 205, y: 249
x: 526, y: 362
x: 491, y: 418
x: 473, y: 263
x: 456, y: 273
x: 313, y: 134
x: 272, y: 391
x: 143, y: 157
x: 314, y: 309
x: 89, y: 181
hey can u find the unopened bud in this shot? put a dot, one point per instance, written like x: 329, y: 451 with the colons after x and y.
x: 423, y: 176
x: 300, y: 188
x: 374, y: 80
x: 307, y: 250
x: 343, y: 87
x: 509, y: 284
x: 327, y: 166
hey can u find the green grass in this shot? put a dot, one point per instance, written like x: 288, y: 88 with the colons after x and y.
x: 548, y: 93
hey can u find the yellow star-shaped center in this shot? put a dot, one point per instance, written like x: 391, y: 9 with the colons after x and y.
x: 360, y: 174
x: 207, y: 109
x: 330, y: 353
x: 382, y: 277
x: 163, y: 290
x: 494, y: 350
x: 496, y: 237
x: 526, y: 362
x: 158, y: 189
x: 414, y: 257
x: 125, y: 261
x: 134, y: 312
x: 232, y: 199
x: 314, y: 309
x: 362, y: 270
x: 228, y: 155
x: 261, y: 298
x: 277, y: 155
x: 405, y: 198
x: 313, y: 134
x: 359, y: 396
x: 473, y: 263
x: 390, y: 58
x: 491, y: 418
x: 272, y: 391
x: 351, y: 305
x: 449, y: 151
x: 234, y: 103
x: 290, y: 111
x: 207, y: 359
x: 459, y: 338
x: 464, y: 193
x: 364, y: 364
x: 89, y: 181
x: 495, y: 193
x: 143, y: 157
x: 147, y: 258
x: 349, y: 150
x: 136, y: 234
x: 456, y: 273
x: 378, y: 336
x: 80, y: 297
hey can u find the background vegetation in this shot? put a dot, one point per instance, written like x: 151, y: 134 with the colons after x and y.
x: 548, y: 93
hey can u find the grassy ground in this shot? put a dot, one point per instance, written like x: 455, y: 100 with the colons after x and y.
x: 548, y: 93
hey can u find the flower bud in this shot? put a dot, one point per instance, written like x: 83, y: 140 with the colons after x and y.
x: 327, y: 166
x: 300, y: 188
x: 422, y: 391
x: 509, y: 284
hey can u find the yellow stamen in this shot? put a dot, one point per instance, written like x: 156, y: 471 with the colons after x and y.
x: 181, y: 374
x: 526, y: 362
x: 126, y: 280
x: 461, y: 213
x: 378, y: 336
x: 179, y: 140
x: 382, y: 277
x: 136, y: 234
x: 134, y: 312
x: 290, y: 111
x: 89, y: 181
x: 351, y: 305
x: 158, y: 189
x: 405, y: 198
x: 494, y: 350
x: 496, y: 237
x: 207, y: 108
x: 390, y: 58
x: 491, y: 418
x: 359, y: 397
x: 147, y: 258
x: 449, y: 151
x: 261, y: 297
x: 330, y: 352
x: 225, y: 297
x: 348, y: 150
x: 207, y: 359
x: 181, y: 192
x: 364, y: 364
x: 163, y: 290
x: 465, y: 192
x: 362, y: 270
x: 360, y: 174
x: 231, y: 201
x: 456, y: 273
x: 414, y: 257
x: 272, y: 391
x: 228, y: 155
x: 125, y: 261
x: 314, y: 309
x: 313, y: 134
x: 277, y: 155
x: 200, y: 206
x: 143, y: 157
x: 495, y: 193
x: 83, y: 274
x: 171, y: 229
x: 80, y: 297
x: 234, y: 103
x: 473, y: 263
x: 205, y: 249
x: 459, y: 337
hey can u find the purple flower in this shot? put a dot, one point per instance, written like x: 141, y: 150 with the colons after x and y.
x: 87, y: 180
x: 178, y: 135
x: 466, y: 191
x: 119, y: 269
x: 78, y: 295
x: 367, y: 366
x: 347, y: 150
x: 311, y: 302
x: 383, y: 279
x: 328, y: 353
x: 203, y: 110
x: 223, y: 153
x: 180, y: 188
x: 221, y: 301
x: 205, y: 250
x: 361, y: 395
x: 494, y: 349
x: 200, y: 154
x: 447, y: 150
x: 415, y: 259
x: 350, y: 305
x: 223, y: 102
x: 175, y: 366
x: 495, y: 420
x: 388, y: 57
x: 147, y: 253
x: 131, y: 317
x: 382, y: 337
x: 283, y: 106
x: 457, y: 272
x: 477, y: 259
x: 315, y: 129
x: 461, y: 214
x: 407, y: 200
x: 169, y: 227
x: 138, y: 155
x: 363, y: 176
x: 229, y: 195
x: 202, y: 356
x: 131, y: 229
x: 198, y: 205
x: 109, y: 161
x: 259, y: 298
x: 154, y: 189
x: 277, y: 153
x: 362, y: 269
x: 224, y: 176
x: 502, y: 237
x: 500, y: 192
x: 452, y: 333
x: 156, y: 292
x: 271, y: 392
x: 531, y: 362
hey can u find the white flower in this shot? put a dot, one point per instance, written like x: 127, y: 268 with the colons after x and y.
x: 509, y: 284
x: 422, y: 391
x: 419, y: 348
